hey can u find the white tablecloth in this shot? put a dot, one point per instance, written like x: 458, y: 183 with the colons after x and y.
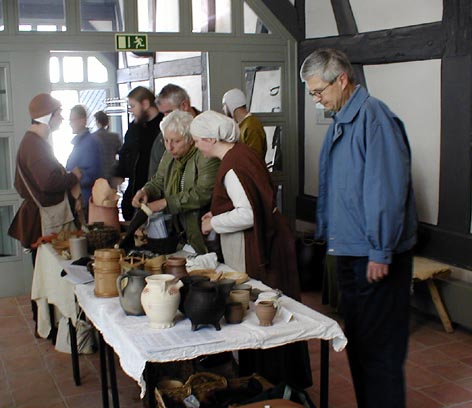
x: 136, y: 343
x: 50, y: 287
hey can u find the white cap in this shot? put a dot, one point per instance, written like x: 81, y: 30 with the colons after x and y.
x: 214, y: 125
x: 233, y: 99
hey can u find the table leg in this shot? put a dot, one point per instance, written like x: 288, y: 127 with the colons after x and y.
x: 150, y: 377
x: 112, y: 372
x: 324, y: 373
x: 74, y: 353
x: 103, y: 370
x: 52, y: 320
x: 438, y: 303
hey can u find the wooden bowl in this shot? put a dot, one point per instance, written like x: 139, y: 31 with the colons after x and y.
x: 209, y: 273
x: 239, y: 277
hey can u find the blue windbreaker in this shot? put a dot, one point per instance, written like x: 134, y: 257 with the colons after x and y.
x: 366, y: 205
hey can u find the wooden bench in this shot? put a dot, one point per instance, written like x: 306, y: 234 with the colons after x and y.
x: 427, y: 270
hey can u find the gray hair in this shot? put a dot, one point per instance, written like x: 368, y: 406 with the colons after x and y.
x: 327, y: 64
x: 179, y: 122
x: 174, y: 94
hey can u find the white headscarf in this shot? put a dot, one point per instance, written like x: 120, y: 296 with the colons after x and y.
x: 234, y: 99
x: 214, y: 125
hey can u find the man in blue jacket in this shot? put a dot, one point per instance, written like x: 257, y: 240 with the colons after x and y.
x: 86, y: 154
x: 366, y: 213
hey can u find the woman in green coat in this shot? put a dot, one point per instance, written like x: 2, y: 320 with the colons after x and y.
x: 184, y: 181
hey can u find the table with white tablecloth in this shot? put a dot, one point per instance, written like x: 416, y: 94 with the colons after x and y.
x: 136, y: 343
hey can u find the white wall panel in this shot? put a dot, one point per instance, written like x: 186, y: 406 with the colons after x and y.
x: 319, y: 19
x: 372, y: 15
x: 412, y: 91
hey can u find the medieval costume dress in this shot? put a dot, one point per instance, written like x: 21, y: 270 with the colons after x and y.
x: 268, y: 251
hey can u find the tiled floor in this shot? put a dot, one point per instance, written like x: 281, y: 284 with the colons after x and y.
x: 33, y: 374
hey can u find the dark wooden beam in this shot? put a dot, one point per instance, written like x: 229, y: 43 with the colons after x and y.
x: 287, y: 15
x: 457, y: 23
x: 420, y: 42
x: 344, y: 17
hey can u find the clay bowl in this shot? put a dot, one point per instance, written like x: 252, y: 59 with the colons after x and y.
x: 209, y: 273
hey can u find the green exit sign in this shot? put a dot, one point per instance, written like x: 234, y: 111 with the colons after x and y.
x: 131, y: 42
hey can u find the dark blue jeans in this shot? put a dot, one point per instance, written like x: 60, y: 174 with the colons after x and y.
x: 376, y: 317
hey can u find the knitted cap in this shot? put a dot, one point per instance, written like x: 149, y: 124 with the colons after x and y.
x: 42, y: 105
x: 234, y: 98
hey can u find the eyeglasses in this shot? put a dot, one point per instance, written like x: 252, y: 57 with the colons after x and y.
x: 318, y: 93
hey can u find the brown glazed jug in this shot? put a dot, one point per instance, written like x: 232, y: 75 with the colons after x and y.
x: 175, y: 265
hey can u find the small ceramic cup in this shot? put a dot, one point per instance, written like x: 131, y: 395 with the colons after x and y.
x: 268, y: 296
x: 234, y: 312
x: 265, y: 312
x: 242, y: 286
x: 241, y: 296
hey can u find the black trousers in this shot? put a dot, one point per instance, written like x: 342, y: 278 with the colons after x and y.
x: 376, y: 317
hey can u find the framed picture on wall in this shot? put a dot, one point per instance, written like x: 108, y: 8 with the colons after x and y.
x: 323, y: 116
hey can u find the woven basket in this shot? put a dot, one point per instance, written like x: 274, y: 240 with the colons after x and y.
x: 172, y: 391
x: 203, y: 383
x: 101, y: 237
x: 243, y: 382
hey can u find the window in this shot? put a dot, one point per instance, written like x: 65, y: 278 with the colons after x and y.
x: 101, y: 15
x: 2, y: 24
x: 4, y: 97
x: 158, y: 16
x: 5, y: 183
x: 252, y: 23
x: 7, y: 245
x: 211, y: 16
x: 263, y: 88
x: 41, y: 15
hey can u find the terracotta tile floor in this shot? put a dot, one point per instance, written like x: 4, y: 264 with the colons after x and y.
x: 33, y: 374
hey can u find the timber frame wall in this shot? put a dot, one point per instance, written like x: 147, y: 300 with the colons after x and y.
x: 449, y: 40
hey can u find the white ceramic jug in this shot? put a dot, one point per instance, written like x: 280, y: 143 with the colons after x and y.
x: 160, y: 299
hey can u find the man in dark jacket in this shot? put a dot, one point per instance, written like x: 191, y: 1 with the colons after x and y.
x: 134, y: 155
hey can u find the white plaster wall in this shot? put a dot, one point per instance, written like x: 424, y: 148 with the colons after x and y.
x: 372, y: 15
x: 412, y: 91
x: 314, y: 135
x: 319, y: 19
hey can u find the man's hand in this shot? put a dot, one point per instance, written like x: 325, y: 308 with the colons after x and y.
x: 140, y: 197
x: 157, y: 205
x: 376, y: 271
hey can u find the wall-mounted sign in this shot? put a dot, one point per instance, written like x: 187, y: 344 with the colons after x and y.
x: 131, y: 42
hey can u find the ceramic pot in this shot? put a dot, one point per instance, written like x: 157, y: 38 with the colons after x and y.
x: 160, y: 299
x: 130, y: 286
x: 175, y: 265
x: 107, y: 215
x: 234, y: 312
x: 265, y: 312
x: 225, y: 286
x: 204, y: 304
x: 188, y: 281
x: 240, y: 296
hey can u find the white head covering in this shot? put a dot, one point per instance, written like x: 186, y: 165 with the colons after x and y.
x: 44, y: 119
x: 214, y: 125
x: 233, y: 99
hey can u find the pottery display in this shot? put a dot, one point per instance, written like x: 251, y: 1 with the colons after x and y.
x: 130, y: 286
x: 204, y: 304
x: 175, y: 265
x: 234, y: 312
x: 225, y: 286
x: 188, y: 281
x: 241, y: 296
x: 265, y: 312
x: 160, y: 299
x: 106, y: 270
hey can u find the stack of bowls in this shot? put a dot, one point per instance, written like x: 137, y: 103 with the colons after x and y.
x: 106, y: 270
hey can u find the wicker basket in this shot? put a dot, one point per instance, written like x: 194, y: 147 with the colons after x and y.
x: 101, y: 237
x: 171, y: 391
x: 243, y: 382
x: 203, y: 383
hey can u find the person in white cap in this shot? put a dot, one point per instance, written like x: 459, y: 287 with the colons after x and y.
x: 251, y: 130
x: 255, y: 236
